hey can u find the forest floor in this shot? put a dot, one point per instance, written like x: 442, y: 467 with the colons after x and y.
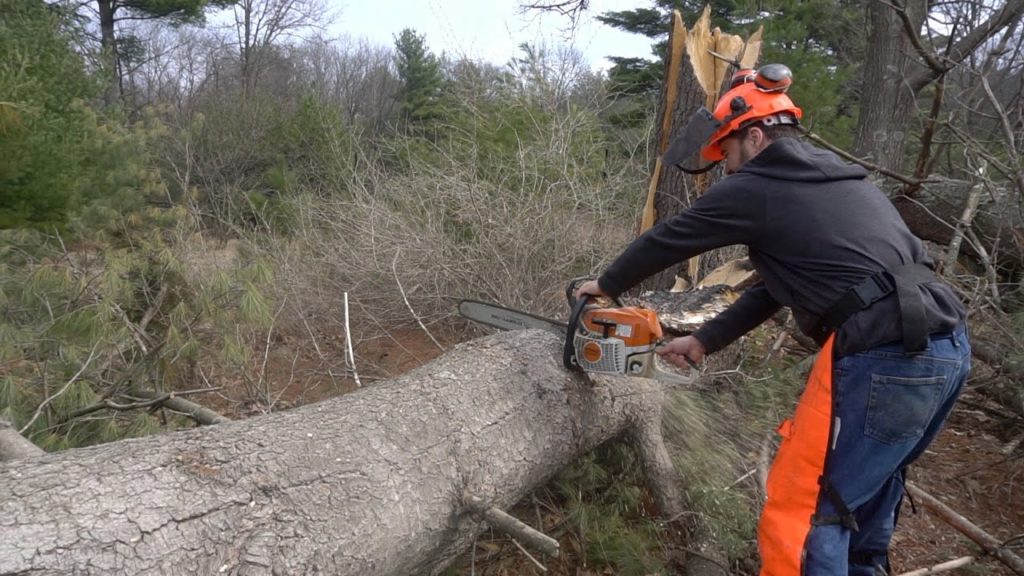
x: 967, y: 467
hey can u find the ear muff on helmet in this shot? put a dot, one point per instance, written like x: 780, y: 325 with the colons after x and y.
x: 759, y: 96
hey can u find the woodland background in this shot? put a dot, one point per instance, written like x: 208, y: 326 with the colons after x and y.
x: 223, y: 211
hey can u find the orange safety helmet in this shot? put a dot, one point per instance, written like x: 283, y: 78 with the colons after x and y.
x: 753, y: 96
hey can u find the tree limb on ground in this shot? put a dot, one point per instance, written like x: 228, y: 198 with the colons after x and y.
x: 13, y: 445
x: 148, y: 399
x: 967, y: 528
x: 174, y: 401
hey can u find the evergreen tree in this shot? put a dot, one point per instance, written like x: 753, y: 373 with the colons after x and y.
x: 420, y: 73
x: 42, y: 120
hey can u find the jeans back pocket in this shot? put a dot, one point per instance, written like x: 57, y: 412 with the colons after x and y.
x: 900, y: 408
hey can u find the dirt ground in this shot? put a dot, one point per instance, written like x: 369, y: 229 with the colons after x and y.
x: 966, y: 468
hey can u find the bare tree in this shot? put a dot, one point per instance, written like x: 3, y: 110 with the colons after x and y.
x: 173, y: 67
x: 901, y: 62
x: 356, y: 76
x: 262, y: 24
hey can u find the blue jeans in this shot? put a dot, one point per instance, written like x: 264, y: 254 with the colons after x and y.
x: 887, y: 407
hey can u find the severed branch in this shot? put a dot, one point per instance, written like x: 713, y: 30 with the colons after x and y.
x: 511, y: 525
x: 967, y: 528
x: 940, y: 568
x: 156, y: 400
x: 986, y: 260
x: 13, y: 445
x: 173, y: 401
x: 961, y: 227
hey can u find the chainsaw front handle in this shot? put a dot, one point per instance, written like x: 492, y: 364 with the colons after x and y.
x: 682, y: 377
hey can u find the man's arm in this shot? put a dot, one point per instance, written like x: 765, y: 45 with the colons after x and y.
x: 748, y: 312
x: 732, y: 212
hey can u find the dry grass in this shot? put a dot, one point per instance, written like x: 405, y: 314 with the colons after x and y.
x: 407, y: 247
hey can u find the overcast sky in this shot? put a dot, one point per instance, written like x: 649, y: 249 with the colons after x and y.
x: 487, y: 29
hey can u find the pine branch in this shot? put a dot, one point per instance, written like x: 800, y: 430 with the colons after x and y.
x: 154, y: 400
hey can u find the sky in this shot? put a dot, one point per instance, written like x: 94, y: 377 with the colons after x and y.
x: 487, y: 29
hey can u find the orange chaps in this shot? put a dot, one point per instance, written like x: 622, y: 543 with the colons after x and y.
x: 793, y: 479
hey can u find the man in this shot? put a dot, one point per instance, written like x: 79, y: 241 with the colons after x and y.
x: 829, y: 245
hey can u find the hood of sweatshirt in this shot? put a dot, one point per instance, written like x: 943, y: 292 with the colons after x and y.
x: 792, y: 159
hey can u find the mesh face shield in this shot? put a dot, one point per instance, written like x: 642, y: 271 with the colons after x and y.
x: 683, y: 151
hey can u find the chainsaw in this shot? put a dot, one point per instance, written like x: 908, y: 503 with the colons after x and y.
x: 620, y: 340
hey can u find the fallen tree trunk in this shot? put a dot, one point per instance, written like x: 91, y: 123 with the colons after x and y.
x: 934, y: 213
x: 1007, y: 394
x: 368, y: 483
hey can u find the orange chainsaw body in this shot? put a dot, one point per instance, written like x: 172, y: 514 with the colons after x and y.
x: 616, y: 340
x: 636, y: 327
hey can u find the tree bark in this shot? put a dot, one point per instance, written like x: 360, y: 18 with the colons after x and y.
x: 368, y: 483
x: 108, y: 46
x: 886, y: 98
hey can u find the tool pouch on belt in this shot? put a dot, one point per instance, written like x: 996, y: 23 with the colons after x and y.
x: 904, y: 280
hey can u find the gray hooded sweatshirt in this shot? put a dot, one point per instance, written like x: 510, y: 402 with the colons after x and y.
x: 815, y: 227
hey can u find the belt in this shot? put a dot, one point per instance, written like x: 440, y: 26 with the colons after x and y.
x: 903, y: 280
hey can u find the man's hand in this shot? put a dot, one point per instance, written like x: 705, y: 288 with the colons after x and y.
x: 678, y: 350
x: 590, y: 287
